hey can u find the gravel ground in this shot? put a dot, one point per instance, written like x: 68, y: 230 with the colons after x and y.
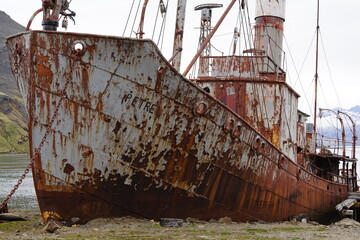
x: 132, y: 228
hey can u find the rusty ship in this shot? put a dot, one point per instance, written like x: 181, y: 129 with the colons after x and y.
x: 115, y: 129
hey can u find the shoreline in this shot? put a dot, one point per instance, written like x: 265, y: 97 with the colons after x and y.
x: 136, y: 228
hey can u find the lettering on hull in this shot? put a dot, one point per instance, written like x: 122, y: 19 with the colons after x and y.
x: 139, y: 103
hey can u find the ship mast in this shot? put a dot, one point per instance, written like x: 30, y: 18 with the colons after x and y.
x: 208, y: 38
x: 179, y: 33
x: 316, y: 70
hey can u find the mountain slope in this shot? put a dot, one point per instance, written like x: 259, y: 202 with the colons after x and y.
x: 329, y: 125
x: 13, y: 127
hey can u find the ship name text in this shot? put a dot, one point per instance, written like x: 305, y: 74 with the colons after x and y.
x: 140, y: 103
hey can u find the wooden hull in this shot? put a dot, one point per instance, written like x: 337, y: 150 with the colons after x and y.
x: 133, y: 137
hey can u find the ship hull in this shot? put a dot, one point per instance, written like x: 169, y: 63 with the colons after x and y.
x: 133, y: 137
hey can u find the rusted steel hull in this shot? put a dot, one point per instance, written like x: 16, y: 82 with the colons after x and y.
x: 133, y: 137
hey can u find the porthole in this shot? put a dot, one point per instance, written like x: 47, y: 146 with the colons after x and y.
x: 200, y: 108
x: 236, y: 131
x: 229, y: 125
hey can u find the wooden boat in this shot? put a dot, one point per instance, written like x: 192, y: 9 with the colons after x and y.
x: 115, y: 129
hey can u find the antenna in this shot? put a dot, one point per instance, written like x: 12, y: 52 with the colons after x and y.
x: 205, y: 28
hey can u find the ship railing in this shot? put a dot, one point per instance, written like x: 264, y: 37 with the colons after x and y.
x: 315, y: 170
x: 337, y: 179
x: 352, y: 184
x: 236, y: 66
x: 351, y: 178
x: 332, y: 144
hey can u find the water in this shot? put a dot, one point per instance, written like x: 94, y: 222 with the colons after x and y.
x: 12, y: 167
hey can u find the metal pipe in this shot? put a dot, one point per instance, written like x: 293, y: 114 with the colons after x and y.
x: 342, y: 129
x: 141, y: 27
x: 354, y: 134
x: 32, y: 18
x: 56, y: 11
x: 177, y: 51
x: 179, y: 33
x: 207, y: 40
x: 343, y: 135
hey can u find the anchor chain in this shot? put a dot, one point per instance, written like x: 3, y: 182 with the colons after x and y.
x: 38, y: 149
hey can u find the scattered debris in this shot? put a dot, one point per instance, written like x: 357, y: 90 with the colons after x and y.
x: 346, y: 204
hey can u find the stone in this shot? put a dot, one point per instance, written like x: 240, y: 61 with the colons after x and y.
x: 52, y: 225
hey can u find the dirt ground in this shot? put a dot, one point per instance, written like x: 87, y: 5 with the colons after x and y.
x: 132, y: 228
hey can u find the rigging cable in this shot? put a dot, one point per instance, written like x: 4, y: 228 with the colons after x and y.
x: 305, y: 98
x: 254, y: 66
x: 127, y: 21
x: 161, y: 34
x: 261, y: 89
x: 328, y: 66
x: 156, y: 19
x: 137, y: 12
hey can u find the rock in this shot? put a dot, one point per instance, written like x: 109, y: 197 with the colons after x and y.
x: 225, y: 220
x: 72, y: 221
x: 348, y: 223
x: 212, y: 221
x: 300, y: 217
x: 260, y: 222
x: 10, y: 217
x: 171, y: 222
x: 52, y: 225
x: 193, y: 220
x: 313, y: 223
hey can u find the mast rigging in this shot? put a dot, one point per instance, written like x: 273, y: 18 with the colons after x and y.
x: 316, y: 70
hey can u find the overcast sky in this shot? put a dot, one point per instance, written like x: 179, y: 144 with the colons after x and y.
x: 340, y: 34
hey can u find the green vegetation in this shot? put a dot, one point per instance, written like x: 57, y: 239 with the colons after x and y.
x: 13, y: 138
x: 140, y: 229
x: 13, y: 134
x: 289, y: 229
x: 14, y: 226
x: 257, y: 230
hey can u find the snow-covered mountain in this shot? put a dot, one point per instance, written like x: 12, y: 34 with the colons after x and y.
x: 329, y: 125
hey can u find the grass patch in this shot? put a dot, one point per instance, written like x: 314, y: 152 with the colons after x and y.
x: 321, y: 229
x: 320, y: 236
x: 289, y: 229
x: 16, y: 225
x: 12, y: 138
x: 256, y: 230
